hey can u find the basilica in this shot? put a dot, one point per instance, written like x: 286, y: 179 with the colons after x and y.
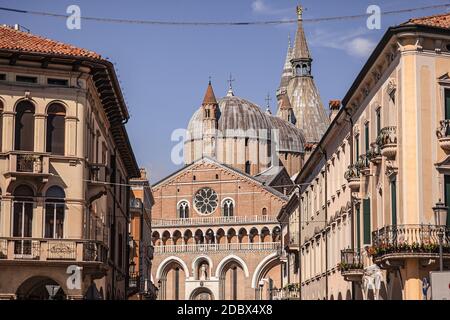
x: 215, y: 228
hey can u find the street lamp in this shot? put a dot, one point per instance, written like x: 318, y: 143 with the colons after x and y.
x: 440, y: 216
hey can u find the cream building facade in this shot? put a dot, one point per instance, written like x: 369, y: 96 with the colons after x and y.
x: 364, y: 227
x: 65, y: 157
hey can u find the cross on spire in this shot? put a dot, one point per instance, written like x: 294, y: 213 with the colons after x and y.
x: 209, y: 81
x: 299, y: 12
x: 268, y: 99
x: 230, y: 86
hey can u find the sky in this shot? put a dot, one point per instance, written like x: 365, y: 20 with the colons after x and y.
x: 164, y: 70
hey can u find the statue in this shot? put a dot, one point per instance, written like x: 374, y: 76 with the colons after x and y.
x: 203, y: 272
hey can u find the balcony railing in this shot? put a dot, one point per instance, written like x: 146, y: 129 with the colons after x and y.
x: 352, y: 173
x: 362, y: 163
x: 351, y: 265
x: 27, y: 163
x: 212, y: 247
x: 52, y: 250
x: 135, y: 203
x: 288, y: 293
x: 409, y: 240
x: 98, y: 173
x: 133, y: 280
x: 212, y: 221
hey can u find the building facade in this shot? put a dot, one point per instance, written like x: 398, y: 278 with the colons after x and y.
x: 365, y: 219
x: 65, y: 161
x: 141, y: 248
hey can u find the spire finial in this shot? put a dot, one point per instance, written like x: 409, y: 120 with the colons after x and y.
x: 268, y: 99
x: 209, y: 81
x: 299, y: 12
x: 230, y: 86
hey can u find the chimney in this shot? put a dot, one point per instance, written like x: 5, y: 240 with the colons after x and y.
x: 334, y: 106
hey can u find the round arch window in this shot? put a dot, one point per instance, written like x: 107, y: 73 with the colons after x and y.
x: 205, y: 200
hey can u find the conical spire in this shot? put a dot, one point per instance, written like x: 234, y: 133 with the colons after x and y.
x: 301, y: 50
x: 287, y: 69
x: 284, y: 102
x: 209, y: 98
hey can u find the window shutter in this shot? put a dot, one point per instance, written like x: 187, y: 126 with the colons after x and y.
x: 367, y: 227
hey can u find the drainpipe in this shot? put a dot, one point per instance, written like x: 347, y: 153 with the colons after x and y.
x: 299, y: 245
x: 352, y: 223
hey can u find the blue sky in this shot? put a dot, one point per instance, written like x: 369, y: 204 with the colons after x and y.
x: 164, y: 70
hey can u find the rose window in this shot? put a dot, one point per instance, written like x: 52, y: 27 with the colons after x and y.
x: 205, y: 200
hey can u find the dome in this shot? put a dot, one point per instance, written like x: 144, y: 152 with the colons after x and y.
x: 241, y: 118
x: 238, y: 117
x: 290, y: 138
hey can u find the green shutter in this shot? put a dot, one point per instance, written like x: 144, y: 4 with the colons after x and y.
x: 394, y: 202
x: 366, y: 220
x: 447, y: 104
x: 356, y: 148
x: 358, y: 228
x: 447, y: 196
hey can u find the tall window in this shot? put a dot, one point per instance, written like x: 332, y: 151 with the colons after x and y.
x: 247, y: 167
x: 447, y: 196
x: 1, y: 123
x: 23, y: 218
x: 227, y: 208
x: 447, y: 103
x: 366, y: 220
x: 367, y: 137
x: 394, y: 202
x: 54, y: 212
x: 24, y: 128
x: 56, y: 115
x: 356, y: 147
x: 183, y: 210
x: 378, y: 116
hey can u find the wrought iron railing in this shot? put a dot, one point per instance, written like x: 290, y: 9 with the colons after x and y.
x: 350, y: 260
x: 29, y: 163
x: 288, y: 293
x: 412, y: 238
x: 213, y: 221
x: 133, y: 280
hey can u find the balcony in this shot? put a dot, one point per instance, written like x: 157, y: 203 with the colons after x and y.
x: 353, y: 177
x: 52, y: 250
x: 234, y: 220
x: 374, y: 154
x: 289, y: 292
x: 362, y: 164
x: 351, y: 266
x: 393, y: 244
x: 443, y: 135
x: 212, y: 247
x: 28, y: 165
x: 387, y: 141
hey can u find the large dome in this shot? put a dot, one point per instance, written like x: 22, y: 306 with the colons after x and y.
x: 241, y: 118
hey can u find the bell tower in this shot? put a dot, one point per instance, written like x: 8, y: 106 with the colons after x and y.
x: 210, y: 115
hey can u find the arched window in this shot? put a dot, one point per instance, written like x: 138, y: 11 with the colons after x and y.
x: 1, y: 123
x: 264, y: 211
x: 183, y: 210
x: 24, y: 128
x: 23, y: 219
x: 227, y: 208
x: 247, y: 167
x: 54, y: 212
x: 56, y: 128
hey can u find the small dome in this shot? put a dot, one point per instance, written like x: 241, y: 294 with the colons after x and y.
x: 290, y: 138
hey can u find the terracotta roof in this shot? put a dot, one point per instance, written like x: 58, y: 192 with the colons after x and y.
x: 209, y: 98
x: 439, y: 21
x: 16, y: 40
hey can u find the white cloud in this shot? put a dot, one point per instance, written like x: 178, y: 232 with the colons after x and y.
x: 355, y: 43
x: 258, y: 6
x: 261, y: 7
x: 360, y: 47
